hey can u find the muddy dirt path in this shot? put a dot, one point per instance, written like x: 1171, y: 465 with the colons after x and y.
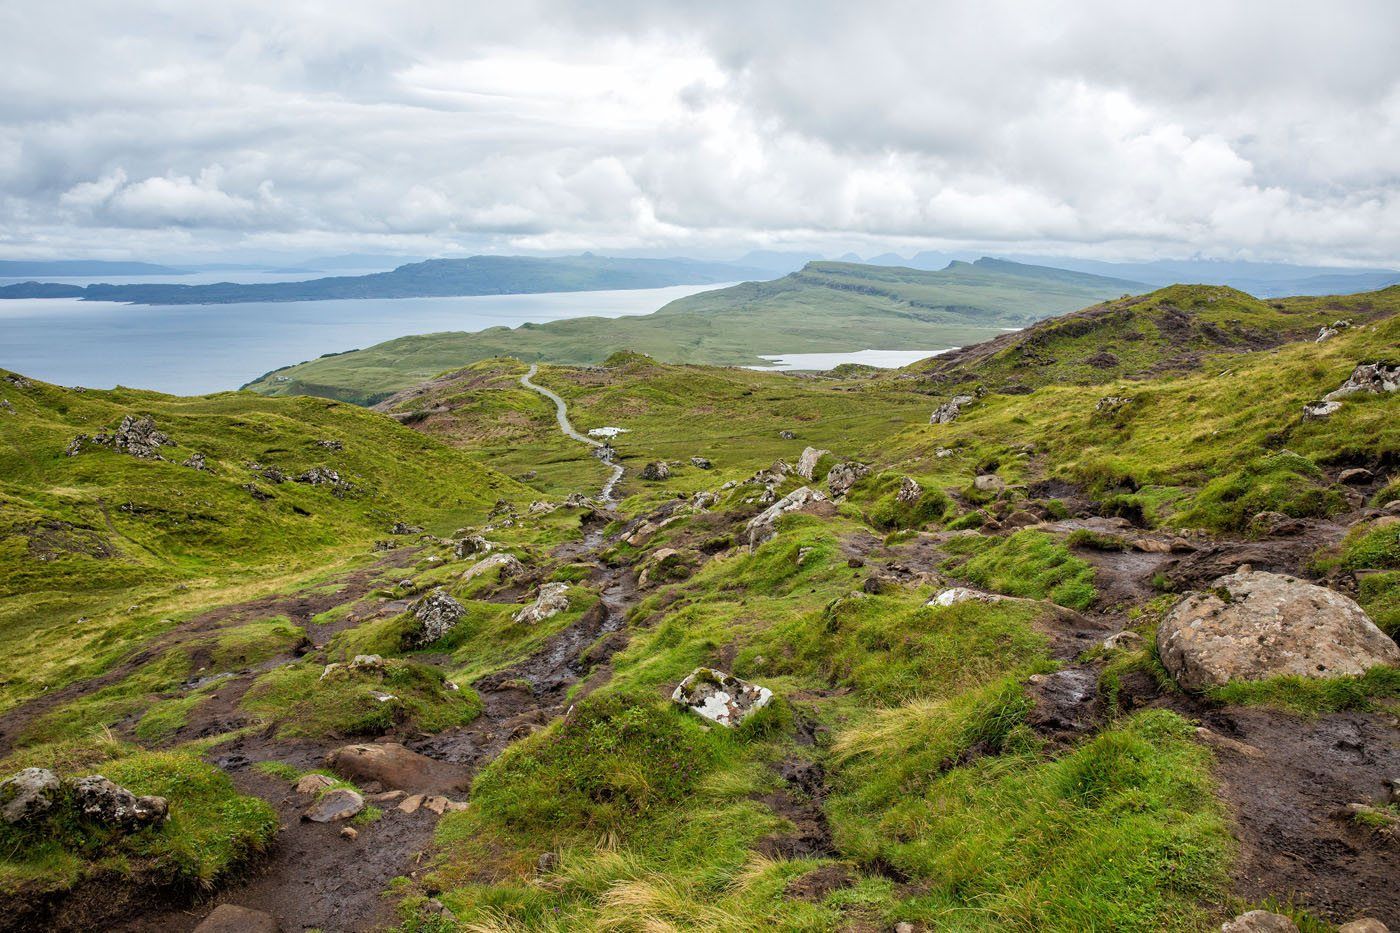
x: 316, y: 879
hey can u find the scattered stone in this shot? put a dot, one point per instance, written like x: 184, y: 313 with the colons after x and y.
x: 389, y: 763
x: 546, y: 863
x: 99, y: 799
x: 230, y: 918
x: 787, y: 435
x: 1260, y: 921
x: 330, y: 445
x: 845, y: 475
x: 1111, y: 404
x: 762, y: 526
x: 349, y: 832
x: 961, y: 594
x: 656, y: 470
x: 943, y: 453
x: 1276, y: 524
x: 948, y: 412
x: 263, y: 496
x: 703, y: 500
x: 666, y: 563
x: 904, y: 926
x: 5, y: 404
x: 335, y: 805
x: 323, y: 476
x: 436, y: 614
x: 1364, y: 925
x: 1356, y: 476
x: 541, y: 507
x: 1023, y: 519
x: 1317, y: 410
x: 436, y: 803
x: 313, y: 783
x: 1327, y: 332
x: 75, y: 446
x: 273, y: 475
x: 990, y: 483
x: 1253, y: 625
x: 387, y: 797
x: 196, y: 462
x: 552, y: 599
x: 16, y: 380
x: 910, y: 492
x: 576, y: 500
x: 702, y: 463
x: 1374, y: 378
x: 403, y: 528
x: 411, y: 803
x: 27, y: 794
x: 807, y: 463
x: 1124, y: 641
x: 720, y: 697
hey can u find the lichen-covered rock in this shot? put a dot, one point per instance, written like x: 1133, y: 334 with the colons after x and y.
x: 403, y: 528
x: 196, y: 462
x: 552, y: 599
x: 910, y: 492
x: 656, y: 470
x: 701, y: 463
x: 327, y: 444
x: 1252, y: 625
x: 436, y: 614
x: 27, y: 794
x: 508, y: 565
x: 961, y: 594
x: 471, y: 544
x: 99, y: 799
x: 720, y: 697
x: 845, y: 475
x: 763, y: 525
x: 1112, y: 403
x: 1374, y: 378
x: 335, y: 805
x: 787, y: 435
x: 948, y: 412
x: 989, y: 483
x: 807, y: 462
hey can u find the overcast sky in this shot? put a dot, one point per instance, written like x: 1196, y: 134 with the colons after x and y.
x: 1120, y: 129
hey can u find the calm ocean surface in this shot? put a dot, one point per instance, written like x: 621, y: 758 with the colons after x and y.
x: 193, y: 349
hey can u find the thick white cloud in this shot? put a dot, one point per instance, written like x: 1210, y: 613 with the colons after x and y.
x: 1250, y: 129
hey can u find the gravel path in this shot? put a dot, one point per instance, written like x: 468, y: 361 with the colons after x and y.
x: 561, y: 414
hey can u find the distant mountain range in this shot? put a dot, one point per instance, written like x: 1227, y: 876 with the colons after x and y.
x: 15, y: 268
x: 477, y: 275
x: 824, y: 307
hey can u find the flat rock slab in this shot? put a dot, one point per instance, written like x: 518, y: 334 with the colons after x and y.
x: 335, y: 805
x: 720, y: 697
x: 230, y: 918
x: 395, y: 767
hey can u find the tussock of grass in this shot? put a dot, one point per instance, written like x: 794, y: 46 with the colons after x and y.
x: 1281, y: 482
x: 1308, y: 696
x: 1030, y: 564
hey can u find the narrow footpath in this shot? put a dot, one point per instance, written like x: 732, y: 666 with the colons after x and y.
x: 561, y: 414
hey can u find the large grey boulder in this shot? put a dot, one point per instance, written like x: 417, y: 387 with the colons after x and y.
x: 807, y: 463
x: 1253, y: 625
x: 551, y: 600
x: 1375, y: 378
x: 762, y: 526
x: 508, y: 564
x: 27, y: 794
x: 101, y: 800
x: 436, y: 614
x: 720, y: 697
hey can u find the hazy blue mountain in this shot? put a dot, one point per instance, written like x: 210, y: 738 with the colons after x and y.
x: 14, y: 268
x: 1262, y: 279
x: 477, y: 275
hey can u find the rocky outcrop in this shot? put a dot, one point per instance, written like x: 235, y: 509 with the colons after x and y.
x: 656, y: 470
x: 720, y: 697
x: 1110, y: 404
x: 762, y: 526
x: 1373, y: 378
x: 99, y: 799
x: 436, y: 614
x: 910, y: 492
x: 28, y: 794
x: 845, y: 475
x: 1328, y: 331
x: 1253, y: 625
x: 807, y: 463
x: 196, y: 462
x: 471, y: 544
x: 324, y: 476
x: 948, y: 412
x: 701, y: 463
x: 552, y: 599
x: 1318, y: 410
x: 140, y: 438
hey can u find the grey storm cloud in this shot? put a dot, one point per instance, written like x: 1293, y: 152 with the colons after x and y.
x: 1259, y: 130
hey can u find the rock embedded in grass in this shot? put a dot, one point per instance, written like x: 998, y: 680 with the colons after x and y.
x: 1253, y: 625
x: 551, y: 600
x: 335, y: 805
x: 807, y: 462
x: 27, y: 794
x: 948, y: 412
x: 1260, y: 921
x: 656, y: 470
x: 437, y: 613
x: 720, y: 697
x: 762, y: 526
x: 101, y: 800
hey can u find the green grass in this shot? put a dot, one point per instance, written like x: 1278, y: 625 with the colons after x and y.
x: 1378, y: 688
x: 212, y: 830
x: 1029, y: 564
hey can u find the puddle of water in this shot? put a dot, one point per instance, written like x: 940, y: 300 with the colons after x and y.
x: 882, y: 359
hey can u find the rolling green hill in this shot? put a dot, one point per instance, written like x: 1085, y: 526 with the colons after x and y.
x: 828, y: 306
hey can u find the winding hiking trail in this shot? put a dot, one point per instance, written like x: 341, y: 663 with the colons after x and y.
x: 561, y: 414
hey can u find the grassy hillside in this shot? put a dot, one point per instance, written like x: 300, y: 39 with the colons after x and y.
x: 101, y: 550
x: 828, y: 306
